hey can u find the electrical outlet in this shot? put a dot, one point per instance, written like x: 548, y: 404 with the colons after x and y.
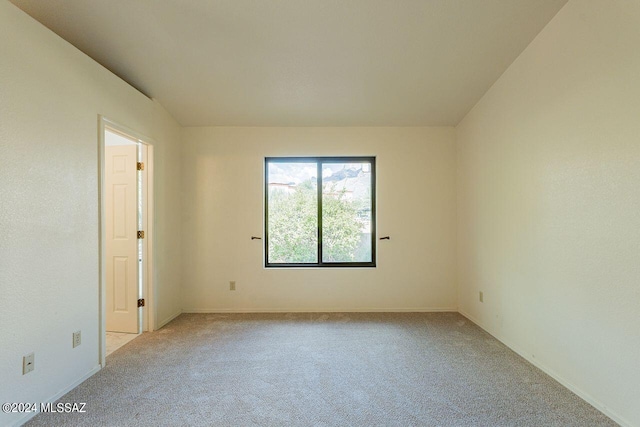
x: 232, y: 285
x: 76, y: 339
x: 481, y: 297
x: 28, y: 363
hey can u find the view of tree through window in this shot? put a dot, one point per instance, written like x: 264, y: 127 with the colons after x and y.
x: 331, y: 227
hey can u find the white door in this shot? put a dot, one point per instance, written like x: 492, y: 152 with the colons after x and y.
x: 121, y: 238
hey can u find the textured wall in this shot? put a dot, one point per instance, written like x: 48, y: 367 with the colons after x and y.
x: 548, y: 190
x: 223, y: 207
x: 50, y: 98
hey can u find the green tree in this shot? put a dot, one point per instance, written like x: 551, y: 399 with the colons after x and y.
x: 340, y: 226
x: 293, y: 226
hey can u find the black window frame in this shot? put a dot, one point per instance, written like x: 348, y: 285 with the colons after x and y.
x: 319, y: 162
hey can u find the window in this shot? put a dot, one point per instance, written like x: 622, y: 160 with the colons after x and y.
x: 320, y: 212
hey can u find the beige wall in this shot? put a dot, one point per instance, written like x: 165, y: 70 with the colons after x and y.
x: 549, y: 204
x: 223, y: 207
x: 50, y: 99
x: 167, y: 238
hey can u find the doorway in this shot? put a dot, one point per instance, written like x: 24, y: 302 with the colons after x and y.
x: 126, y: 194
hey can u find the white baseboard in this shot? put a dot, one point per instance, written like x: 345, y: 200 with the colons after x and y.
x: 553, y: 374
x: 58, y: 395
x: 169, y: 319
x: 322, y: 310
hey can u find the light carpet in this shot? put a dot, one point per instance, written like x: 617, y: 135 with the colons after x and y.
x: 337, y: 369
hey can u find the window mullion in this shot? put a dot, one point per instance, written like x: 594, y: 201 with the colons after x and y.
x: 319, y: 185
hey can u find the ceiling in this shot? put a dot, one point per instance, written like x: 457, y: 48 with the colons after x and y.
x: 303, y: 62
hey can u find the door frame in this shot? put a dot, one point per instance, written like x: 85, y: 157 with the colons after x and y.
x: 148, y: 289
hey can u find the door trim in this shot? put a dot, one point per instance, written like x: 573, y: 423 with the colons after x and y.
x: 148, y: 289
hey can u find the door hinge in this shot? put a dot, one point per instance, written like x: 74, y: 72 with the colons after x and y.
x: 140, y: 234
x: 140, y: 166
x: 141, y: 302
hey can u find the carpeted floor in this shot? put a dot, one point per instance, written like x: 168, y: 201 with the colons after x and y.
x: 339, y: 369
